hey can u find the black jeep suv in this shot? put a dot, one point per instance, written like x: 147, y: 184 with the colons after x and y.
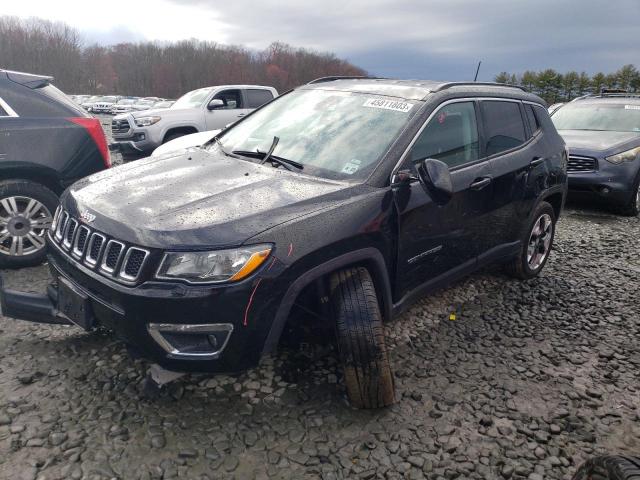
x: 47, y: 142
x: 362, y: 194
x: 603, y: 136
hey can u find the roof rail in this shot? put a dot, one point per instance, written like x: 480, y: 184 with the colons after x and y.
x: 609, y: 94
x: 447, y: 85
x: 345, y: 77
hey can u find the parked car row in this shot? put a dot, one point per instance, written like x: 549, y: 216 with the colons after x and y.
x: 114, y: 104
x: 350, y: 196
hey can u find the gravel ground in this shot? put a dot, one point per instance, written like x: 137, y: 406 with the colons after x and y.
x: 528, y: 380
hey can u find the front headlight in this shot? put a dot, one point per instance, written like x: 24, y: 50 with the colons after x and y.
x: 214, y: 266
x: 628, y: 156
x: 146, y: 121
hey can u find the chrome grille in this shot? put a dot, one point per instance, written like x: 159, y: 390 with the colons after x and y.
x: 581, y: 164
x: 120, y: 126
x: 108, y: 256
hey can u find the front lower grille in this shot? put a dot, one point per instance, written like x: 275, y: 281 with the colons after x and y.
x: 95, y: 250
x: 581, y: 164
x: 120, y: 126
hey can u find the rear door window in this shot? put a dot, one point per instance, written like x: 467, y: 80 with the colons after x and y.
x: 503, y: 126
x: 257, y: 97
x: 450, y: 136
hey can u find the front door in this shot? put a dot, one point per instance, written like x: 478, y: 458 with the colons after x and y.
x: 436, y: 239
x: 229, y: 112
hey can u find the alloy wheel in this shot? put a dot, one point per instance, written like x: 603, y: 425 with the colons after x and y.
x: 539, y: 241
x: 23, y: 224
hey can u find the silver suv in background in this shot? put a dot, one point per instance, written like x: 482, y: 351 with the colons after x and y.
x: 137, y: 134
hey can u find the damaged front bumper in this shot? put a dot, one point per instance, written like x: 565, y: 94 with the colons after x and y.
x: 33, y: 307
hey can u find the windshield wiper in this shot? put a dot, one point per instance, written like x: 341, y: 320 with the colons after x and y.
x: 269, y: 157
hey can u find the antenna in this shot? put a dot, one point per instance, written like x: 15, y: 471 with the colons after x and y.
x: 475, y: 79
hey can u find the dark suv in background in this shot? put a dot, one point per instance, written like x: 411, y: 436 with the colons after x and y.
x: 603, y: 136
x: 350, y: 197
x: 47, y: 142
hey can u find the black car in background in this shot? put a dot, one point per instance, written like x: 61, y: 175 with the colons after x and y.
x: 47, y: 142
x: 350, y: 197
x: 602, y: 133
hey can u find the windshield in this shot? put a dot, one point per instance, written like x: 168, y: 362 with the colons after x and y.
x: 126, y: 101
x: 108, y: 99
x: 192, y: 99
x: 339, y: 135
x: 598, y: 116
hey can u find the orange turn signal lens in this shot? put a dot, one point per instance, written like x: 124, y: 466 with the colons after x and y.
x: 252, y: 264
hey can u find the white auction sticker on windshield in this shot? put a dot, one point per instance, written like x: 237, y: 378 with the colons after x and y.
x: 395, y: 105
x: 632, y: 107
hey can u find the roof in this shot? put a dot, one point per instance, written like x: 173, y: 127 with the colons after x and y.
x: 406, y: 89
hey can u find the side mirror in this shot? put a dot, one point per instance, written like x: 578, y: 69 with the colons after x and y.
x: 435, y: 178
x: 215, y: 104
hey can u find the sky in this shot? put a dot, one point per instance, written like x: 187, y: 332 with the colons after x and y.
x: 426, y: 39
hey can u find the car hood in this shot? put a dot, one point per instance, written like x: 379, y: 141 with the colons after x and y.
x: 197, y: 198
x: 597, y: 141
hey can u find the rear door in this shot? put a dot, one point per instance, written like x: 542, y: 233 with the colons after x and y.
x: 231, y: 110
x: 436, y: 239
x: 517, y: 158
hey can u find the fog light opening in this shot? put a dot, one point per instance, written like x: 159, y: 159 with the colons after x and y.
x: 202, y: 341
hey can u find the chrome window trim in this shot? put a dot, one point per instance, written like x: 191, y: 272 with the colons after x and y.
x: 88, y: 260
x: 404, y: 155
x: 156, y: 329
x: 75, y: 251
x: 10, y: 111
x: 66, y: 244
x: 105, y: 254
x: 122, y: 273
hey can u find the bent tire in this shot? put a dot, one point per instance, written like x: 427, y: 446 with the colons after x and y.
x: 26, y: 213
x: 609, y: 468
x: 360, y: 334
x: 536, y: 239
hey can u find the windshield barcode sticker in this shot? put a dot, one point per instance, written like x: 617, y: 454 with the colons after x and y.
x: 403, y: 107
x: 632, y: 107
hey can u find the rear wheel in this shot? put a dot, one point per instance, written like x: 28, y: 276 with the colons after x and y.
x: 26, y: 213
x: 609, y: 468
x: 360, y: 334
x: 536, y: 240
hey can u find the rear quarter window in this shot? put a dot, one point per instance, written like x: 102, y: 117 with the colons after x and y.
x: 534, y: 125
x: 257, y: 97
x: 543, y: 118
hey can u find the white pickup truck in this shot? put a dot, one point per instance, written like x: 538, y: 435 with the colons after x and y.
x: 137, y: 134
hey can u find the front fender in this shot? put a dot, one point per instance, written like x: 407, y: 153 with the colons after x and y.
x: 370, y: 256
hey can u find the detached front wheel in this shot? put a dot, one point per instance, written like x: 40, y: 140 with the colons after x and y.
x: 360, y: 333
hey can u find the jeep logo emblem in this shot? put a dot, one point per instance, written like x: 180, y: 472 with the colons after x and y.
x: 87, y: 216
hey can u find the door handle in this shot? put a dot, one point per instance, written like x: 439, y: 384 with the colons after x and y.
x: 480, y: 183
x: 536, y: 161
